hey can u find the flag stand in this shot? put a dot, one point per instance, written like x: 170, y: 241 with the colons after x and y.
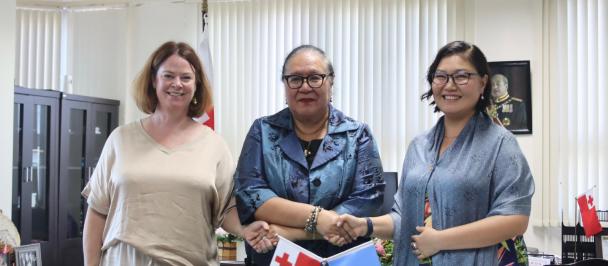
x: 576, y: 223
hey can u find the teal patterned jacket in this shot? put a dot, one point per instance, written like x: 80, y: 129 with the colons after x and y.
x: 482, y: 173
x: 345, y: 175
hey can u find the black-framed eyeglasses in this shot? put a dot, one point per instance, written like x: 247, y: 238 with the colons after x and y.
x: 314, y: 81
x: 459, y: 78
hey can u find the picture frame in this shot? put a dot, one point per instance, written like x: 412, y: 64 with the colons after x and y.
x: 512, y: 94
x: 4, y: 259
x: 28, y: 255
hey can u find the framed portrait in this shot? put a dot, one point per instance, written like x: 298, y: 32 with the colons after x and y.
x: 28, y: 255
x: 512, y: 94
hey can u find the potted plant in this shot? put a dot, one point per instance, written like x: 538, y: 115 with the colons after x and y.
x: 226, y: 246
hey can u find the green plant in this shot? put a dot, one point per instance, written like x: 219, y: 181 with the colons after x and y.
x: 228, y: 238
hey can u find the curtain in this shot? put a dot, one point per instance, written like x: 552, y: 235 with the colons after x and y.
x: 380, y: 51
x: 37, y: 48
x: 576, y: 69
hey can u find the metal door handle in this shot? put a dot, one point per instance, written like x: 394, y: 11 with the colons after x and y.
x: 27, y: 174
x: 32, y: 174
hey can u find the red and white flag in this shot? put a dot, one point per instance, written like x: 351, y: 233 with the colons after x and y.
x: 205, y: 53
x: 591, y: 223
x: 288, y: 253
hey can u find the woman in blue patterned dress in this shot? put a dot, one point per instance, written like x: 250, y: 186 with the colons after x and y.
x: 303, y: 166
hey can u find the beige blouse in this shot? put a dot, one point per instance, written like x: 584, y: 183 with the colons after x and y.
x: 166, y: 203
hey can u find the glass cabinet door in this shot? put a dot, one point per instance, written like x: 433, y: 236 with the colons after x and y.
x: 75, y: 125
x: 39, y: 174
x: 18, y: 168
x: 34, y: 168
x: 104, y: 121
x: 73, y: 179
x: 85, y: 126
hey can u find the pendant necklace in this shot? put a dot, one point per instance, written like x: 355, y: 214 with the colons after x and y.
x: 307, y: 151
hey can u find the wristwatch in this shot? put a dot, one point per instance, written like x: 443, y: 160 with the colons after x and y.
x: 370, y: 227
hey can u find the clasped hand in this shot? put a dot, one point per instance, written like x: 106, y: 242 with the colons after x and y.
x: 346, y: 229
x: 337, y: 229
x: 257, y: 234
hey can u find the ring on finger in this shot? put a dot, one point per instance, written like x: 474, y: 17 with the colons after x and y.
x: 414, y: 245
x: 416, y: 252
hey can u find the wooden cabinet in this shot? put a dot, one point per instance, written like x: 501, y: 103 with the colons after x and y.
x: 58, y: 139
x: 86, y: 123
x: 35, y: 166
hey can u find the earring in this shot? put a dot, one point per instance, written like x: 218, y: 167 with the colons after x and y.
x: 482, y: 97
x: 194, y: 101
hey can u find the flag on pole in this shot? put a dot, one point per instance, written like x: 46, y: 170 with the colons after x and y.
x: 205, y: 53
x: 591, y: 223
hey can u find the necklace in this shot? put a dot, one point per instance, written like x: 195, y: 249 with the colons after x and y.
x: 307, y: 151
x: 310, y: 147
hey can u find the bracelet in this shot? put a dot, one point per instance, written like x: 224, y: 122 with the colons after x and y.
x: 311, y: 222
x: 370, y: 227
x: 309, y: 227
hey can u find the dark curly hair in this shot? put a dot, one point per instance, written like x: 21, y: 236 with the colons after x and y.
x: 471, y: 53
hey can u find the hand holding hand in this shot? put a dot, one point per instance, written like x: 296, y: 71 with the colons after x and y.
x: 426, y: 244
x: 255, y: 234
x: 276, y: 231
x: 355, y: 226
x: 327, y: 225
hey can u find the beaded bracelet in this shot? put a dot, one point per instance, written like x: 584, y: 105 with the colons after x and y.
x: 311, y: 222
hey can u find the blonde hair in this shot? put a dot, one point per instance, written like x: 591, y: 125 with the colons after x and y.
x: 144, y: 92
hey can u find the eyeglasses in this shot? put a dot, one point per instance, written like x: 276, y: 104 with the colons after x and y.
x: 314, y: 81
x: 459, y: 78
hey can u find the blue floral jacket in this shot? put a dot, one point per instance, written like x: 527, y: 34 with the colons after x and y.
x: 345, y: 175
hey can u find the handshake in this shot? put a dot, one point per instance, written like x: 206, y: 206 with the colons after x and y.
x: 322, y: 224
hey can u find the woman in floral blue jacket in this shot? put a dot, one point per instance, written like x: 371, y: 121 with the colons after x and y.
x: 303, y: 166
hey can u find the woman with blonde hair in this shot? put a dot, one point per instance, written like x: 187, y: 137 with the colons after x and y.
x: 164, y: 183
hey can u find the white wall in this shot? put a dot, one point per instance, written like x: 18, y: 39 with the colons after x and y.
x: 7, y: 73
x: 97, y: 49
x: 108, y: 48
x: 513, y: 30
x: 150, y: 25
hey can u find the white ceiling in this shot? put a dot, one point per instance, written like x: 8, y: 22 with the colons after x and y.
x: 89, y: 3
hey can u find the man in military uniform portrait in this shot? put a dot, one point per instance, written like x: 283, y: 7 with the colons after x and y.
x: 511, y: 110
